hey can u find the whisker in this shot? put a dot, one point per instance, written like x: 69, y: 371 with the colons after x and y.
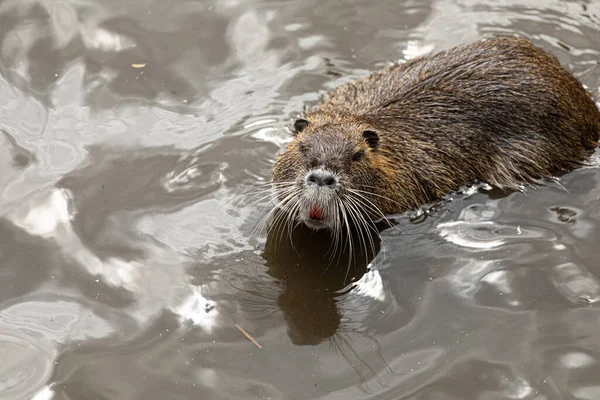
x: 337, y: 235
x: 291, y: 217
x: 374, y: 207
x: 362, y: 223
x: 287, y: 216
x: 361, y: 205
x: 262, y: 198
x: 341, y: 244
x: 358, y: 221
x: 376, y: 194
x: 260, y: 191
x: 349, y: 239
x: 273, y: 185
x: 334, y: 244
x: 282, y: 203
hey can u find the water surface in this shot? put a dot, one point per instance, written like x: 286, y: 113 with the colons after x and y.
x: 131, y: 130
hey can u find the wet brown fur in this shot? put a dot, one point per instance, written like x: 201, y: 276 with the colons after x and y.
x: 501, y: 111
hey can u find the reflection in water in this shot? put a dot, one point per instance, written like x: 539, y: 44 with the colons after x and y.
x: 314, y: 281
x: 312, y: 278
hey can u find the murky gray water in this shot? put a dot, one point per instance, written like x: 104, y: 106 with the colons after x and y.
x: 129, y: 131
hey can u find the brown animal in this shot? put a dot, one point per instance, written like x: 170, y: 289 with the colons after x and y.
x: 501, y: 111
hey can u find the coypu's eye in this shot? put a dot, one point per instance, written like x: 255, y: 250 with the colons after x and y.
x: 300, y: 125
x: 358, y: 155
x: 371, y: 137
x: 302, y: 147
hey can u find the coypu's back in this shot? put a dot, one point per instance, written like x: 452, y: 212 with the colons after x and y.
x: 500, y: 110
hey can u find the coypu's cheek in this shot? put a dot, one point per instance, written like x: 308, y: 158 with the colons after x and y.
x: 289, y: 167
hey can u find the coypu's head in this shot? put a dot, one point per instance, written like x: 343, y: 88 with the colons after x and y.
x: 326, y: 177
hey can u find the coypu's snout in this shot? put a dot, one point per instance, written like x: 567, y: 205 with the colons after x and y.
x: 318, y: 198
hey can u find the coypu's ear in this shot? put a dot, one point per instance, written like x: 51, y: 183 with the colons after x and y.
x: 371, y: 137
x: 300, y: 124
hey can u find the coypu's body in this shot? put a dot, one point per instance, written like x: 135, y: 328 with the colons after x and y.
x: 501, y: 111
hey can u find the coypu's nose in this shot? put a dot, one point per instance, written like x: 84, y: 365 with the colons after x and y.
x: 321, y: 178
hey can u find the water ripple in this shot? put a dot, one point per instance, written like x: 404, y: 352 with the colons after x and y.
x: 133, y: 137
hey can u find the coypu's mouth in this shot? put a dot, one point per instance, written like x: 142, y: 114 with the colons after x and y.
x: 314, y: 216
x: 316, y: 213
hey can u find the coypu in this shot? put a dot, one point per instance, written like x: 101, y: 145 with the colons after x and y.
x: 500, y: 111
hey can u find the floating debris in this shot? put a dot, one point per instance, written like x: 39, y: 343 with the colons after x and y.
x: 250, y: 338
x: 140, y: 65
